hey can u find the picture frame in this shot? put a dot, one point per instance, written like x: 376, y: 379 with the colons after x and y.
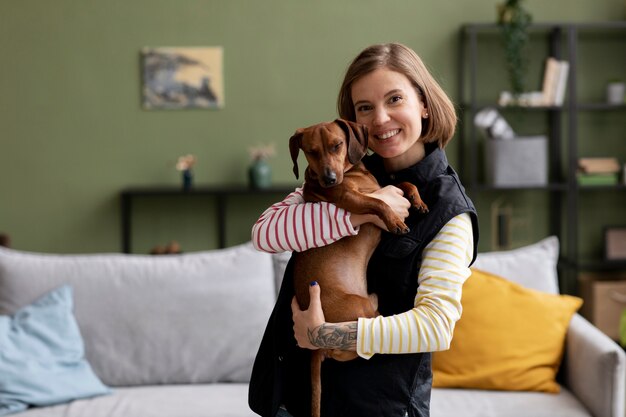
x: 615, y: 243
x: 182, y: 78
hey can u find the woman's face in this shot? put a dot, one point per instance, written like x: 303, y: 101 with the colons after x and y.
x: 388, y: 104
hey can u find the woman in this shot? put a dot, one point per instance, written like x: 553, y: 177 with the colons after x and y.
x: 418, y: 277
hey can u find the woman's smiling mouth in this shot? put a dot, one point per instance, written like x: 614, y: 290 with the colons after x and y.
x: 387, y: 135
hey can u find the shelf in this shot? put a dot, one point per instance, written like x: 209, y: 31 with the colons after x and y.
x: 601, y: 265
x: 600, y: 106
x: 617, y: 187
x: 562, y: 124
x: 220, y: 193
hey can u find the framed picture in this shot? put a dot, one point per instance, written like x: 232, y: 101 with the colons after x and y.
x: 182, y: 78
x: 615, y: 243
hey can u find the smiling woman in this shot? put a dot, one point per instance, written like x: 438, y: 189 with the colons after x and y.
x: 417, y: 276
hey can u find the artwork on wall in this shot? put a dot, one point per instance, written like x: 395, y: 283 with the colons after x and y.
x: 182, y: 78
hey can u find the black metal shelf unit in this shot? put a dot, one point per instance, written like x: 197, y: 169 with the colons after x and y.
x: 562, y: 39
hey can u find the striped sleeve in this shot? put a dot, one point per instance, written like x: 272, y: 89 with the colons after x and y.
x: 294, y: 225
x: 429, y: 325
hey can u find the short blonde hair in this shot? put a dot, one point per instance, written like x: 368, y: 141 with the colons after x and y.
x: 441, y: 122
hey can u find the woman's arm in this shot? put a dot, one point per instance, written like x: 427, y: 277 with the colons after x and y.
x: 294, y: 225
x: 425, y: 328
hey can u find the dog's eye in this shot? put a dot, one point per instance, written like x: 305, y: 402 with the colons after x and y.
x: 337, y: 146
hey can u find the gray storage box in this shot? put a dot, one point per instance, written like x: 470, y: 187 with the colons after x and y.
x: 522, y: 161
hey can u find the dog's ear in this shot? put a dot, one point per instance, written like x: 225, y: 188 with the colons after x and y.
x: 357, y: 139
x: 295, y: 143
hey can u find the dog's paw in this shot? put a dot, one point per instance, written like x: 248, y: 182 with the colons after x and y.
x: 401, y: 230
x: 422, y: 207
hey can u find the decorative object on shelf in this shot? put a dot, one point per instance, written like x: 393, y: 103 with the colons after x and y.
x: 493, y: 125
x: 184, y: 165
x: 521, y: 162
x: 501, y: 214
x: 172, y: 248
x: 5, y: 240
x: 598, y: 171
x: 615, y: 92
x: 183, y: 78
x: 514, y: 21
x: 615, y: 243
x: 605, y: 300
x: 260, y: 172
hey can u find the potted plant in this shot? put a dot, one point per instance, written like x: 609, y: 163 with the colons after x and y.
x: 514, y: 21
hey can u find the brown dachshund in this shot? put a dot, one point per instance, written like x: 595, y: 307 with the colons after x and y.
x: 336, y: 174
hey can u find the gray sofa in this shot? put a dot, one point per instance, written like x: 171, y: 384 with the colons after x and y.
x: 176, y: 335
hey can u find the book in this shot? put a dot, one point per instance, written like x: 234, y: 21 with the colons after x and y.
x: 561, y: 83
x: 554, y: 81
x: 599, y: 165
x: 550, y: 80
x: 597, y: 179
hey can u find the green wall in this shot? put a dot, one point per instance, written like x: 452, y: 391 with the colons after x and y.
x: 73, y: 133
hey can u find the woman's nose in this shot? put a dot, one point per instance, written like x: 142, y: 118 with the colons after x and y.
x: 380, y: 117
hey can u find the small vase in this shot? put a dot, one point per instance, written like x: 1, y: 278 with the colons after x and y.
x: 260, y: 174
x: 187, y: 179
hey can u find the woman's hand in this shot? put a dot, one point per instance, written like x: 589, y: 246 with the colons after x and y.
x: 306, y: 323
x: 393, y: 197
x: 311, y: 330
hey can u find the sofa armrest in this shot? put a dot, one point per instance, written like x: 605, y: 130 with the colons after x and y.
x: 595, y: 369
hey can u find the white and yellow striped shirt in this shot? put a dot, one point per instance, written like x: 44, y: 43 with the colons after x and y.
x: 428, y: 327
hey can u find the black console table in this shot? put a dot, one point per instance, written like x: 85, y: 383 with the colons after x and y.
x: 220, y: 193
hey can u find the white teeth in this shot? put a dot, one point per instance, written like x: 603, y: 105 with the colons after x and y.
x: 389, y: 134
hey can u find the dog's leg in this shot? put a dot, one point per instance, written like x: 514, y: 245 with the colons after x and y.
x: 413, y: 195
x: 355, y: 202
x: 317, y: 356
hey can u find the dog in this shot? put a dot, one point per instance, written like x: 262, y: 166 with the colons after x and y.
x: 336, y: 174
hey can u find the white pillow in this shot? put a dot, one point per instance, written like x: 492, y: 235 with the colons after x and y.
x: 146, y: 320
x: 532, y: 266
x: 280, y: 261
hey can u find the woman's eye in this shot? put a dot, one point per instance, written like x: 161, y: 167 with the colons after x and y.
x: 395, y: 99
x: 363, y: 108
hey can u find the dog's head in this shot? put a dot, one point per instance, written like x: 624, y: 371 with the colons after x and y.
x: 331, y: 148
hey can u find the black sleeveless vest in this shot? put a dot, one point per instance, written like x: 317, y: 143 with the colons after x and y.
x: 385, y: 385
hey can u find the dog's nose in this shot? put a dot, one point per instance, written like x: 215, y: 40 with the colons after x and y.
x: 330, y: 179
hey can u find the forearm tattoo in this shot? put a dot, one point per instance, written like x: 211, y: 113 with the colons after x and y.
x: 335, y: 336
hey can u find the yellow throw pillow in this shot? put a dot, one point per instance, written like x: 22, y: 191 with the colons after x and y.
x: 508, y: 338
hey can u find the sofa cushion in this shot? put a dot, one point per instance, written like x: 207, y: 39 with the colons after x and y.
x: 508, y: 338
x: 446, y: 402
x: 532, y: 266
x: 205, y: 400
x: 189, y: 318
x: 42, y: 360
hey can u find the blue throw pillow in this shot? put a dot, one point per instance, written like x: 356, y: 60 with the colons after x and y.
x: 42, y: 356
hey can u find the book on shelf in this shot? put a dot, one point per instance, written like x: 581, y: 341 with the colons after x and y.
x: 597, y: 179
x: 553, y: 88
x: 554, y: 82
x: 599, y: 165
